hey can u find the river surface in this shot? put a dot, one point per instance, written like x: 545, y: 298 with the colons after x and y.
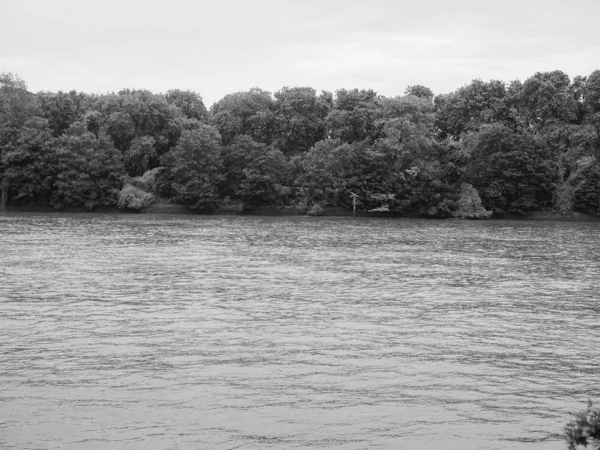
x: 190, y: 332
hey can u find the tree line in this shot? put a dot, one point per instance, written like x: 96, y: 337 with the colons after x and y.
x: 486, y: 148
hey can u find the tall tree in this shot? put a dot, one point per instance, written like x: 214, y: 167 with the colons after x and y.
x: 87, y: 169
x: 237, y: 157
x: 546, y: 99
x: 264, y: 177
x: 27, y: 173
x: 17, y: 106
x: 354, y: 115
x: 420, y: 91
x: 300, y: 118
x: 510, y: 170
x: 194, y: 168
x: 189, y: 102
x: 251, y: 113
x: 63, y: 108
x: 472, y: 106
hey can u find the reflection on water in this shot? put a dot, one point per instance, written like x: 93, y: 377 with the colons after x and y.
x: 143, y: 332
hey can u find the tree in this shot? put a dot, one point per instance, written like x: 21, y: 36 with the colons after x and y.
x: 470, y: 107
x: 591, y: 103
x: 139, y: 156
x: 509, y: 169
x: 121, y: 129
x: 353, y: 117
x: 132, y: 114
x: 87, y: 169
x: 416, y: 158
x: 407, y: 121
x: 585, y: 429
x: 568, y: 186
x: 237, y: 156
x: 27, y: 174
x: 333, y: 169
x: 189, y: 102
x: 17, y: 106
x: 264, y: 178
x: 572, y: 148
x: 586, y: 189
x: 63, y: 108
x: 300, y: 118
x: 194, y: 168
x: 546, y: 99
x: 251, y: 113
x: 420, y: 91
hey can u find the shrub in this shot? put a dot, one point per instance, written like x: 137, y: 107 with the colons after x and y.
x: 469, y: 204
x: 585, y: 429
x: 147, y: 181
x: 134, y: 198
x: 316, y: 210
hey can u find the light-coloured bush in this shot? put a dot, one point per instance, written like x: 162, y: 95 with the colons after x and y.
x: 316, y: 210
x: 469, y: 204
x: 146, y: 181
x: 134, y: 198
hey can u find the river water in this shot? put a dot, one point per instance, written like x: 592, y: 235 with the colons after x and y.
x: 190, y: 332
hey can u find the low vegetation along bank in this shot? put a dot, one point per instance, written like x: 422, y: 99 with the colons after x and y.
x: 489, y: 149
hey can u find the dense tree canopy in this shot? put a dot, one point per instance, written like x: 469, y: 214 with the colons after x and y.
x: 194, y: 167
x: 489, y: 146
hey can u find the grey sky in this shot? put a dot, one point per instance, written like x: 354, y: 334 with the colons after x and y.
x: 224, y: 46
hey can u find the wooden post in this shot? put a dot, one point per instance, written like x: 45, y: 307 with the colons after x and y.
x: 353, y: 204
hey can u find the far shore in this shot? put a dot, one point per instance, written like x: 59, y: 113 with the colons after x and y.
x: 328, y: 211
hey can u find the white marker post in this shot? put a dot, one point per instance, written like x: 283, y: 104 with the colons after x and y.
x: 354, y: 197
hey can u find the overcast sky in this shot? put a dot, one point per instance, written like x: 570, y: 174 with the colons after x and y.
x: 224, y: 46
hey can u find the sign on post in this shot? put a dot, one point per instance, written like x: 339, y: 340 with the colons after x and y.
x: 354, y: 197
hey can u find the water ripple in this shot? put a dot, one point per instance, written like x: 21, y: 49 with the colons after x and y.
x: 146, y: 332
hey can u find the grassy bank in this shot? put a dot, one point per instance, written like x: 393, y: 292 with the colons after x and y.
x: 328, y: 211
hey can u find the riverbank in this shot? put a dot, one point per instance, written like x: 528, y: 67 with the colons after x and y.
x: 328, y: 211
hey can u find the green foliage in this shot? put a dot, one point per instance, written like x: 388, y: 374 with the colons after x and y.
x: 472, y: 106
x: 521, y: 146
x: 134, y: 119
x: 27, y: 173
x: 586, y: 195
x: 407, y: 123
x: 300, y: 118
x: 354, y: 115
x: 140, y: 154
x: 236, y: 158
x: 332, y: 169
x: 250, y: 113
x: 194, y: 168
x: 87, y: 169
x: 263, y: 178
x: 17, y: 106
x: 510, y: 170
x: 546, y: 98
x: 189, y: 102
x: 315, y: 210
x: 63, y: 108
x: 134, y: 198
x: 585, y: 429
x: 570, y: 183
x: 592, y: 92
x: 147, y: 181
x: 420, y: 91
x: 469, y: 204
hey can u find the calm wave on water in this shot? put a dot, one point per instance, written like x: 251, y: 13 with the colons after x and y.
x: 188, y: 332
